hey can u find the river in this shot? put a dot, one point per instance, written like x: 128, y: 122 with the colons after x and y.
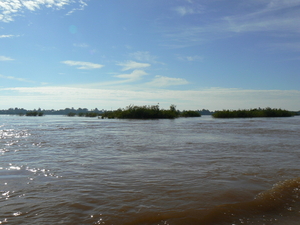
x: 78, y: 170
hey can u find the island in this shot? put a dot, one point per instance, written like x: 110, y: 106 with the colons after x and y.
x: 148, y: 112
x: 248, y: 113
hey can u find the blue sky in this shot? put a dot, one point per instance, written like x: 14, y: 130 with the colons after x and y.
x: 212, y: 54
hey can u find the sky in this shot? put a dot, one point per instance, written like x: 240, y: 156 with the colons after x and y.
x: 195, y: 54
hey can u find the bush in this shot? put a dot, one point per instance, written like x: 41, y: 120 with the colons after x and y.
x: 71, y: 114
x: 81, y: 114
x: 34, y: 113
x: 190, y: 113
x: 91, y: 114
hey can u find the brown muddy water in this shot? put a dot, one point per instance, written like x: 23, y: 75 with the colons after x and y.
x: 61, y: 170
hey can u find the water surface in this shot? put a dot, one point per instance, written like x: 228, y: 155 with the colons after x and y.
x: 62, y: 170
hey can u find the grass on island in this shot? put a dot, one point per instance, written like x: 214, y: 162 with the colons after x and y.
x: 267, y: 112
x: 189, y: 113
x: 148, y: 112
x: 34, y: 113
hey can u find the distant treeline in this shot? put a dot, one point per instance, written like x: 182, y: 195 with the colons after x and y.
x: 248, y: 113
x: 75, y: 112
x: 66, y: 111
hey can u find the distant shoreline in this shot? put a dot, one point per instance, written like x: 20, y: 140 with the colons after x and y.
x: 84, y: 112
x: 73, y: 112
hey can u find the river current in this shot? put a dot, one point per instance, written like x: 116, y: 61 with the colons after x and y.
x: 77, y: 170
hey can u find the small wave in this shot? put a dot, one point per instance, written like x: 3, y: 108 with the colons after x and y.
x: 278, y: 205
x: 275, y: 205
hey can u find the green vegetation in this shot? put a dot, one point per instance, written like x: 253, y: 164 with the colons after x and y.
x: 190, y: 113
x: 142, y: 112
x: 34, y: 113
x: 139, y: 112
x: 71, y: 114
x: 91, y: 114
x: 267, y: 112
x: 81, y: 114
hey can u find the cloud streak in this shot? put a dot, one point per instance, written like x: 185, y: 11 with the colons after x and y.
x: 7, y: 35
x: 186, y: 10
x: 135, y: 75
x: 181, y: 10
x: 82, y: 65
x: 82, y: 4
x: 130, y: 65
x: 162, y: 81
x: 81, y: 45
x: 15, y: 78
x: 191, y: 58
x: 267, y: 16
x: 4, y: 58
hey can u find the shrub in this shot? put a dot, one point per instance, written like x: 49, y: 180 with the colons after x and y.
x: 32, y: 113
x: 81, y: 114
x: 71, y: 114
x: 190, y: 113
x: 91, y: 114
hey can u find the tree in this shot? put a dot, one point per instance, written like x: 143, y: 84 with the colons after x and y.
x: 173, y: 108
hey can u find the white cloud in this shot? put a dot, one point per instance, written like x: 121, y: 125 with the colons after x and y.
x: 135, y: 75
x: 82, y: 65
x: 161, y: 81
x: 31, y: 5
x: 4, y: 58
x: 129, y: 65
x: 11, y: 8
x: 7, y: 35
